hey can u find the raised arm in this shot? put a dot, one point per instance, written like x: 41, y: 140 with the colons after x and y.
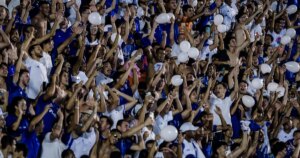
x: 56, y: 130
x: 131, y: 100
x: 39, y: 117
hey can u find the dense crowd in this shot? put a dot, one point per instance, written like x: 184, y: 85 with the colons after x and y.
x: 122, y: 85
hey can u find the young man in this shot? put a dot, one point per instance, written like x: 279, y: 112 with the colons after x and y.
x: 188, y: 147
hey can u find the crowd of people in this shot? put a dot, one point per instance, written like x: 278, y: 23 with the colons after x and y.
x: 70, y: 88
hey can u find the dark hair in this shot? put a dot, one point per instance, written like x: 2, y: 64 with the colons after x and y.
x: 43, y: 2
x: 22, y: 71
x: 186, y: 7
x: 227, y: 39
x: 6, y: 141
x: 11, y: 108
x: 276, y: 148
x: 108, y: 120
x: 119, y: 123
x: 22, y: 148
x: 216, y: 145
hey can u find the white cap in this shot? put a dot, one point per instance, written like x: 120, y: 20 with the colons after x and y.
x: 188, y: 126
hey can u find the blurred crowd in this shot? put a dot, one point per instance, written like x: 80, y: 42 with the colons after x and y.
x: 109, y: 79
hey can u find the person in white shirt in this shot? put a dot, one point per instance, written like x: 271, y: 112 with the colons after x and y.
x: 287, y: 131
x: 164, y: 112
x: 219, y: 99
x: 116, y: 113
x: 228, y: 12
x: 189, y: 146
x: 46, y: 59
x: 38, y: 72
x: 52, y: 146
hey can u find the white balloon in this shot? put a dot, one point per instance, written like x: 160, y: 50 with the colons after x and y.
x: 162, y: 18
x: 169, y: 133
x: 265, y: 68
x: 291, y: 32
x: 193, y: 53
x: 248, y: 101
x: 195, y: 2
x: 272, y: 86
x: 291, y: 9
x: 281, y: 91
x: 222, y: 28
x: 285, y: 40
x: 183, y: 57
x: 257, y: 83
x: 113, y: 37
x: 140, y: 12
x: 292, y: 66
x: 176, y: 80
x: 185, y: 46
x: 171, y: 15
x: 218, y: 19
x: 95, y: 18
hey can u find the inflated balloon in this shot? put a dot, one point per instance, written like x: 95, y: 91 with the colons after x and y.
x: 285, y: 40
x: 257, y: 83
x: 248, y: 101
x: 95, y: 18
x: 218, y: 19
x: 193, y: 53
x: 195, y: 2
x: 291, y: 9
x: 183, y: 57
x: 169, y: 133
x: 162, y: 18
x: 222, y: 28
x: 171, y: 15
x: 291, y: 32
x: 272, y: 86
x: 140, y: 12
x: 281, y: 91
x: 176, y: 80
x: 265, y: 68
x: 185, y: 46
x: 292, y: 66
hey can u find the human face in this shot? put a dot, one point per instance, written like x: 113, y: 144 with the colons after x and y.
x: 45, y: 9
x: 114, y: 137
x: 124, y: 127
x: 94, y: 29
x: 64, y: 24
x: 15, y: 36
x: 220, y: 91
x: 49, y: 46
x: 243, y: 19
x: 104, y: 125
x: 3, y: 13
x: 193, y: 97
x: 22, y: 105
x: 243, y: 87
x: 25, y: 79
x: 65, y: 79
x: 3, y: 70
x: 190, y: 12
x: 107, y: 69
x: 161, y: 54
x: 38, y: 51
x: 172, y: 4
